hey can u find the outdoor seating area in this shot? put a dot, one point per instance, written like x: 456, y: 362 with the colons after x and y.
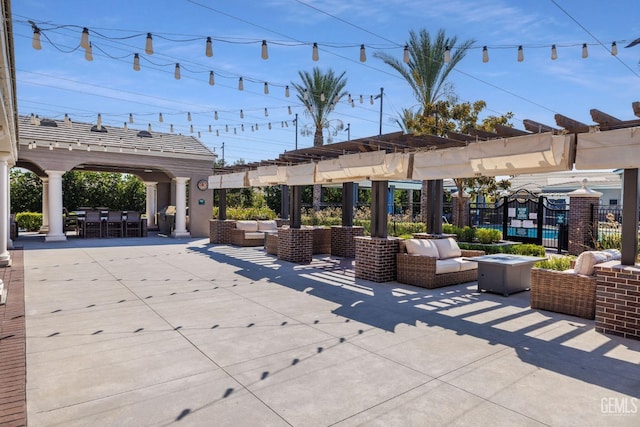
x: 105, y: 223
x: 251, y: 233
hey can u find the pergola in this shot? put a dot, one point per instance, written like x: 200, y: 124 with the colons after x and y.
x: 165, y: 162
x: 610, y: 143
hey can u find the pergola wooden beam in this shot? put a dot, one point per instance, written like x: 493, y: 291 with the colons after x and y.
x: 536, y: 127
x: 507, y: 131
x: 603, y: 118
x: 636, y: 108
x: 483, y: 133
x: 571, y: 125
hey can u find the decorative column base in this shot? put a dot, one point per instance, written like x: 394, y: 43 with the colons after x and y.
x: 55, y: 238
x: 5, y: 261
x: 180, y: 234
x: 618, y: 300
x: 295, y: 245
x: 342, y: 240
x: 220, y: 230
x: 376, y: 258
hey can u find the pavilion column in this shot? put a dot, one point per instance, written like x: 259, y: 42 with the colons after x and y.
x: 56, y: 227
x: 9, y: 239
x: 44, y: 229
x: 152, y: 203
x: 180, y: 229
x: 5, y: 257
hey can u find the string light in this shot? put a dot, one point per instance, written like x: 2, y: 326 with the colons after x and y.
x: 217, y: 132
x: 226, y: 128
x: 84, y: 38
x: 289, y: 109
x: 447, y: 55
x: 240, y: 84
x: 88, y: 148
x: 305, y: 95
x: 215, y: 115
x: 520, y: 54
x: 148, y: 46
x: 209, y: 48
x: 149, y: 127
x: 371, y: 99
x: 242, y: 127
x: 189, y: 116
x: 35, y: 43
x: 210, y: 129
x: 322, y: 98
x: 554, y: 52
x: 130, y: 118
x: 314, y: 52
x: 266, y: 88
x: 269, y: 125
x: 286, y: 91
x: 99, y: 122
x: 241, y: 114
x: 136, y: 62
x: 191, y: 128
x: 160, y: 118
x: 614, y: 49
x: 361, y: 99
x: 199, y: 135
x: 266, y: 113
x: 176, y: 73
x: 211, y: 79
x: 585, y: 51
x: 363, y: 54
x: 349, y: 99
x: 125, y: 127
x: 485, y: 54
x: 265, y: 53
x: 171, y: 128
x: 405, y: 55
x: 88, y: 53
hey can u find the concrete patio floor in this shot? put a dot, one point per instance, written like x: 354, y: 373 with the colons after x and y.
x: 158, y: 331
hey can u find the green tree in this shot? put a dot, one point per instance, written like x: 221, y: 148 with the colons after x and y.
x: 26, y: 191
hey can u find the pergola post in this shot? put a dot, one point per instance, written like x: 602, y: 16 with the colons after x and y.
x: 56, y: 223
x: 180, y: 228
x: 45, y: 206
x: 435, y: 190
x: 295, y: 206
x: 222, y: 204
x: 284, y: 202
x: 348, y: 200
x: 5, y: 256
x: 630, y: 217
x: 379, y: 195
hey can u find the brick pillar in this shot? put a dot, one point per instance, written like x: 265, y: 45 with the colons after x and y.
x: 342, y: 240
x: 220, y: 230
x: 376, y: 258
x: 295, y: 244
x: 455, y: 211
x: 580, y: 226
x: 618, y: 300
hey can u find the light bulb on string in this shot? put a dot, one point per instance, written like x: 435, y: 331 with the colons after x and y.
x: 289, y: 109
x: 136, y: 62
x: 614, y: 49
x: 190, y: 128
x: 363, y: 54
x: 66, y: 118
x: 405, y: 54
x: 189, y: 116
x: 50, y: 147
x: 314, y: 52
x: 211, y: 79
x: 305, y: 95
x: 265, y: 52
x: 125, y: 127
x: 335, y: 99
x: 149, y: 127
x: 84, y: 38
x: 286, y: 91
x: 266, y: 88
x: 176, y: 73
x: 210, y: 129
x: 88, y: 148
x: 349, y: 99
x: 171, y: 128
x: 322, y: 98
x: 35, y: 42
x: 148, y: 46
x: 585, y: 51
x: 240, y: 84
x: 520, y: 54
x: 447, y: 55
x: 88, y: 54
x: 235, y: 131
x: 209, y: 48
x: 242, y: 127
x: 371, y: 99
x: 361, y: 99
x: 266, y: 112
x: 217, y: 132
x: 252, y: 128
x: 241, y: 114
x: 485, y: 54
x: 99, y: 121
x: 70, y: 147
x: 160, y: 118
x: 199, y: 135
x: 226, y: 128
x: 269, y: 125
x: 215, y: 115
x: 554, y: 52
x: 130, y: 118
x: 286, y: 124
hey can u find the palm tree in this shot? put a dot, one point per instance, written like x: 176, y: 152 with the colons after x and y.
x: 319, y: 92
x: 426, y: 73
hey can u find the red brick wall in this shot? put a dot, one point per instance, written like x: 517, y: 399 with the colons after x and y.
x: 376, y: 258
x: 618, y: 300
x: 220, y: 231
x: 295, y: 244
x: 342, y: 240
x: 580, y: 227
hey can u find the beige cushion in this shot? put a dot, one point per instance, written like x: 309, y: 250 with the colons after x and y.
x: 465, y: 265
x: 447, y: 248
x: 421, y: 247
x: 253, y: 235
x: 267, y: 225
x: 447, y: 266
x: 587, y: 260
x: 247, y: 225
x: 614, y: 253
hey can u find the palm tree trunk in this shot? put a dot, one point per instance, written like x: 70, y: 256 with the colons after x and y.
x: 317, y: 197
x: 423, y: 201
x: 318, y: 140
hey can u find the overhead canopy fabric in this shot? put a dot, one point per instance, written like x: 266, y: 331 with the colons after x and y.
x: 536, y: 153
x: 375, y: 165
x: 272, y: 175
x: 441, y: 164
x: 230, y: 180
x: 613, y: 149
x: 253, y: 179
x: 302, y: 174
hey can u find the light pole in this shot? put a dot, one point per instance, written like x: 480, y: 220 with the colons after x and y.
x: 380, y: 96
x: 296, y: 122
x: 223, y: 154
x: 348, y: 131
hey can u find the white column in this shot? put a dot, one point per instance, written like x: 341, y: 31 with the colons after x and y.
x: 180, y: 227
x: 56, y: 226
x: 5, y: 257
x: 9, y: 241
x: 152, y: 203
x: 45, y: 206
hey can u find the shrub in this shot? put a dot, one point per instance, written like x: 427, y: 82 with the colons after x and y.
x: 248, y: 213
x: 30, y: 221
x: 519, y: 249
x: 528, y: 250
x: 488, y: 235
x: 559, y: 263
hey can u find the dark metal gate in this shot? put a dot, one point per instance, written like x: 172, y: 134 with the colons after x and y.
x: 527, y: 218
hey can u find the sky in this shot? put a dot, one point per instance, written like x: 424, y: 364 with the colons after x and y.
x: 58, y: 80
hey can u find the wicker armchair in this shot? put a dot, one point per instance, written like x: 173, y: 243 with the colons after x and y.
x: 562, y: 292
x: 420, y: 270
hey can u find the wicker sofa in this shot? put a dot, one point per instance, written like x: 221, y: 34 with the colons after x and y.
x: 570, y: 291
x: 251, y: 233
x: 435, y: 263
